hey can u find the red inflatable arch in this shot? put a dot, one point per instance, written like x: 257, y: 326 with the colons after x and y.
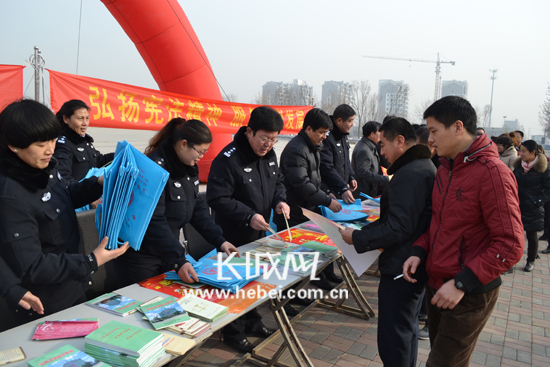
x: 169, y: 46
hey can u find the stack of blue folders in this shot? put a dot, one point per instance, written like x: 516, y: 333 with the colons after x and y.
x: 208, y: 272
x: 132, y: 186
x: 349, y: 213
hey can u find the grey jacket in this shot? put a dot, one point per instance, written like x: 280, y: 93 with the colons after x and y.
x: 509, y: 156
x: 365, y: 162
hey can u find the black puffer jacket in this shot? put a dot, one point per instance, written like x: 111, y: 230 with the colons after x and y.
x: 241, y: 184
x: 405, y: 210
x: 336, y: 168
x: 300, y: 163
x: 534, y: 192
x: 76, y: 154
x: 39, y: 233
x: 178, y: 205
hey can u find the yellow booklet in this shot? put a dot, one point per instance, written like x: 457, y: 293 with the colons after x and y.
x: 11, y: 355
x: 176, y: 345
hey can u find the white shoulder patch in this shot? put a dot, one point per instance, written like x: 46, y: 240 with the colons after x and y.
x: 61, y: 139
x: 230, y: 152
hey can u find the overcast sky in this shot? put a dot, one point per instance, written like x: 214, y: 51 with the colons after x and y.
x: 251, y: 42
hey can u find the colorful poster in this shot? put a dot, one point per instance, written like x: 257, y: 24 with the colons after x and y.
x: 123, y: 106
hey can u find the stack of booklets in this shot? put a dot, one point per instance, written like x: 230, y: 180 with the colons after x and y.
x: 193, y: 328
x: 326, y: 252
x: 220, y: 275
x: 66, y: 356
x: 177, y: 345
x: 300, y: 259
x: 64, y: 329
x: 124, y: 345
x: 203, y: 309
x: 115, y: 304
x: 164, y: 313
x: 132, y: 186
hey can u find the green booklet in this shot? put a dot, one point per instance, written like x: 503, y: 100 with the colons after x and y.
x: 128, y: 339
x: 115, y: 304
x: 205, y: 310
x: 66, y: 356
x: 165, y: 313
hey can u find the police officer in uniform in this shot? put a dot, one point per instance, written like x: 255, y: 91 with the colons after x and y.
x: 177, y: 148
x: 74, y: 151
x: 244, y: 185
x: 39, y: 233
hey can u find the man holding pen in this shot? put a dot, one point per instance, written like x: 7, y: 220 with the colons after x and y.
x: 405, y: 212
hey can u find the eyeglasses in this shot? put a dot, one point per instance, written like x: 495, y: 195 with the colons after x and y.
x: 198, y: 151
x: 265, y: 140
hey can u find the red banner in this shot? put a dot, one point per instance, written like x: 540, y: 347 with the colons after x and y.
x: 123, y: 106
x: 11, y: 84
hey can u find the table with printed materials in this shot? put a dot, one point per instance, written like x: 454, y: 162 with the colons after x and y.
x: 22, y: 336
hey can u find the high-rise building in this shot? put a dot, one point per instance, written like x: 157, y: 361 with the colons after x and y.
x: 335, y: 93
x: 454, y: 88
x: 297, y: 93
x: 393, y: 98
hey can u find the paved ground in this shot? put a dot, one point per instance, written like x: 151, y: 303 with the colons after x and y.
x: 517, y: 334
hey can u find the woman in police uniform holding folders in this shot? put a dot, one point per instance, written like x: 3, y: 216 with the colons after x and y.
x: 177, y: 148
x: 75, y: 151
x: 39, y: 235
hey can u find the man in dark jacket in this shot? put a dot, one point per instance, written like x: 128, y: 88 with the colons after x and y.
x: 244, y: 184
x: 475, y: 233
x: 365, y: 162
x: 405, y: 211
x: 336, y: 172
x: 300, y: 167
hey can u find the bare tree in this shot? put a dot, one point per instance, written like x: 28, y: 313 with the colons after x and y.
x: 260, y: 99
x: 372, y: 108
x: 483, y: 115
x: 231, y: 97
x: 359, y: 101
x: 544, y: 114
x: 418, y: 116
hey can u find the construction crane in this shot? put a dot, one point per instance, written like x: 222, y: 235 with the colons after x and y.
x: 437, y: 69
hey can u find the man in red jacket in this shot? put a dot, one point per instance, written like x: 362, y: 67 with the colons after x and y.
x: 475, y: 233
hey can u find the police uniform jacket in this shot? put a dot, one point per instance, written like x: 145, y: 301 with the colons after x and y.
x: 241, y: 184
x: 300, y: 163
x: 336, y: 170
x: 178, y: 205
x: 76, y: 155
x: 39, y: 234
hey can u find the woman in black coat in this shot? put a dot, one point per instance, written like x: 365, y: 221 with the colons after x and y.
x: 39, y: 233
x: 533, y: 177
x: 75, y: 151
x: 177, y: 148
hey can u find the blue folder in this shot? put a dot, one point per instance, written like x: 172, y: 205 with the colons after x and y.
x: 349, y: 212
x: 208, y: 270
x: 132, y: 186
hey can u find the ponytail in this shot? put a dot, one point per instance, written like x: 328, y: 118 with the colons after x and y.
x: 195, y: 132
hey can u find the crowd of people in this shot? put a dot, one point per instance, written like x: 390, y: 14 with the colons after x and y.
x: 454, y: 207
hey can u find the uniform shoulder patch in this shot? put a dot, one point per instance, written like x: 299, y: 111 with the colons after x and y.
x: 230, y: 152
x: 62, y: 139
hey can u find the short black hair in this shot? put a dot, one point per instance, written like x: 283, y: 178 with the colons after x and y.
x: 504, y: 140
x: 25, y: 122
x: 388, y: 117
x: 480, y: 128
x: 343, y: 112
x: 520, y: 133
x: 422, y: 134
x: 68, y: 109
x: 371, y: 127
x: 396, y: 126
x: 317, y: 118
x: 265, y: 118
x: 448, y: 110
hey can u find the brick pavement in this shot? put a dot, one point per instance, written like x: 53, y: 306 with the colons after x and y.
x: 517, y: 333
